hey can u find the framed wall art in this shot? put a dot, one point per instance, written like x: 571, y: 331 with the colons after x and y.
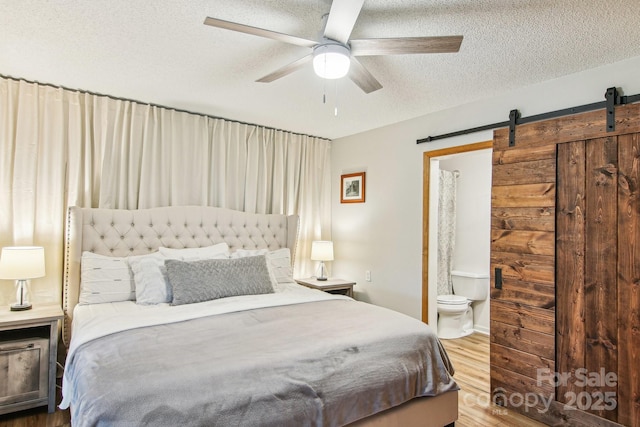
x: 352, y: 188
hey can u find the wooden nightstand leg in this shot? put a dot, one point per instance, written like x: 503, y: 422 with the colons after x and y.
x: 53, y: 358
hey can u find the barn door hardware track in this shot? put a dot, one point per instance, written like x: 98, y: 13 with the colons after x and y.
x: 612, y: 99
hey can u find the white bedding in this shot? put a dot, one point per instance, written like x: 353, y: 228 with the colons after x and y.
x: 97, y: 320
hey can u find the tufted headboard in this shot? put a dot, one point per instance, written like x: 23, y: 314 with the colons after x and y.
x: 118, y: 232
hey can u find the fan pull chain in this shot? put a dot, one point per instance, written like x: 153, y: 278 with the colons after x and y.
x: 324, y: 89
x: 335, y: 108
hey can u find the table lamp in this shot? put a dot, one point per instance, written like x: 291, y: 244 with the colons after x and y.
x: 22, y: 263
x: 322, y: 250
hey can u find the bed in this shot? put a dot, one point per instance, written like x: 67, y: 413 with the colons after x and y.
x: 190, y: 316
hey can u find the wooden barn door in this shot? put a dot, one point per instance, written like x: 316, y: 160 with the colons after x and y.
x: 598, y: 260
x: 565, y: 262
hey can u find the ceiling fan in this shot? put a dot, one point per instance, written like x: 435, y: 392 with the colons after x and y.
x: 335, y: 49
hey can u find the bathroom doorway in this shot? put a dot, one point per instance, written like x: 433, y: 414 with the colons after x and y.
x: 475, y: 161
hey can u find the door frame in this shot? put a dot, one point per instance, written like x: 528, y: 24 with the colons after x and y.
x: 426, y: 173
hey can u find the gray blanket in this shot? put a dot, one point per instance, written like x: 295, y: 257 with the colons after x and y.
x: 324, y: 363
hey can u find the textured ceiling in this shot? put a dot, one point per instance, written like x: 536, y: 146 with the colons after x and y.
x: 160, y: 52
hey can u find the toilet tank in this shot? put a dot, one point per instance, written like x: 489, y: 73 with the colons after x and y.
x: 474, y: 286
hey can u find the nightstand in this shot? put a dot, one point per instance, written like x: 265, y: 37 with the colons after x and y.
x: 332, y: 286
x: 28, y: 355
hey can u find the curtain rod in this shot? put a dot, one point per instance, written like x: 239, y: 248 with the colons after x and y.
x: 117, y: 98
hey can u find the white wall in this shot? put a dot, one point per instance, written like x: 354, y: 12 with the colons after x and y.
x: 384, y: 234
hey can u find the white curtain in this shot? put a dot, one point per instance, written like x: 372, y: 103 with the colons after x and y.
x: 446, y: 230
x: 61, y: 148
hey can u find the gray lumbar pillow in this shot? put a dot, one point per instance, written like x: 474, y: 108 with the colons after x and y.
x: 210, y: 279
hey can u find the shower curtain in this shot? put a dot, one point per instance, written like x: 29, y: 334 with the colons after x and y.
x: 446, y: 230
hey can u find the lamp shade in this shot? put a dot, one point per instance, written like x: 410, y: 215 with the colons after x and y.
x: 322, y: 250
x: 331, y: 61
x: 22, y: 262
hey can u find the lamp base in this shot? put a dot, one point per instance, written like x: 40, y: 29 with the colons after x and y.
x: 20, y: 307
x: 322, y: 277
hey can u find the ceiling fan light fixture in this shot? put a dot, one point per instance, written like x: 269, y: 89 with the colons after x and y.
x: 331, y: 60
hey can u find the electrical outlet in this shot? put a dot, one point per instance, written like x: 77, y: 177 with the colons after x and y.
x: 367, y: 275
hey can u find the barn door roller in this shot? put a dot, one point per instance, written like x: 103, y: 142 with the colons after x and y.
x: 612, y: 99
x: 514, y: 115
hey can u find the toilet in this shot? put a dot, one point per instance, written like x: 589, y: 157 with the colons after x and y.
x: 455, y: 314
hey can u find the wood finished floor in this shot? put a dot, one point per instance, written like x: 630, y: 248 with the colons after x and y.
x: 38, y: 417
x: 469, y: 355
x: 470, y: 358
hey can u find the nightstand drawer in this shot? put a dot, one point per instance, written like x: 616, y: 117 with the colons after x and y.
x: 24, y: 371
x: 345, y: 291
x: 331, y: 285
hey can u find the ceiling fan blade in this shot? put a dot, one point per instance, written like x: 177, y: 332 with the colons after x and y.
x: 342, y: 18
x: 405, y: 45
x: 247, y: 29
x: 362, y: 77
x: 287, y: 69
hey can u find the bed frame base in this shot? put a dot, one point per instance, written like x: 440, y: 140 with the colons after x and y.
x: 436, y: 411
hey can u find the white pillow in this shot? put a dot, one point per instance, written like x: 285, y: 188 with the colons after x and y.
x: 150, y: 278
x: 104, y: 279
x: 242, y: 253
x: 279, y: 262
x: 219, y: 251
